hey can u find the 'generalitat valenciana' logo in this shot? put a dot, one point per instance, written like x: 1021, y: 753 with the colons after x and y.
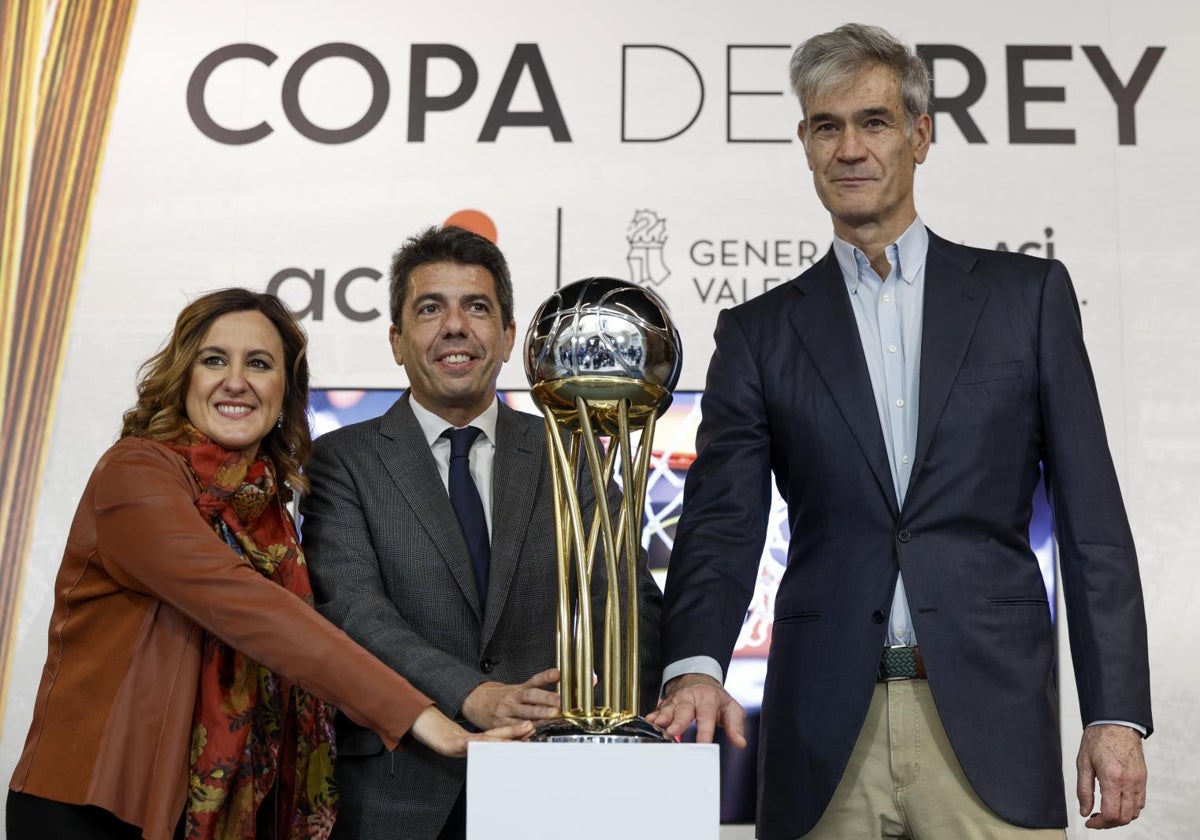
x: 646, y: 236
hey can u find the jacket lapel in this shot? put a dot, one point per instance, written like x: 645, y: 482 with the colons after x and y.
x: 516, y: 472
x: 405, y: 455
x: 953, y: 301
x: 824, y: 322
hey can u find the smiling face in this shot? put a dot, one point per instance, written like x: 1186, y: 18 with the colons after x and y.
x: 236, y: 388
x: 863, y: 157
x: 452, y: 339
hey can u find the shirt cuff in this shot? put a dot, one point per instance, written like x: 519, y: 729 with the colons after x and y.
x: 694, y: 665
x: 1140, y: 729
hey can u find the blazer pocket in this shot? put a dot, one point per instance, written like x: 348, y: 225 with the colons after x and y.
x: 1018, y: 602
x: 988, y: 373
x: 797, y: 618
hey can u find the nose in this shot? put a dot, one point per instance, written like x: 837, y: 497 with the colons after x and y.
x: 851, y: 147
x: 455, y: 322
x: 235, y: 380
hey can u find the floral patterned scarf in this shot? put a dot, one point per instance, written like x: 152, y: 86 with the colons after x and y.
x: 251, y: 729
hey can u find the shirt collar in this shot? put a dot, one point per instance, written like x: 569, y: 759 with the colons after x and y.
x: 907, y: 255
x: 432, y: 426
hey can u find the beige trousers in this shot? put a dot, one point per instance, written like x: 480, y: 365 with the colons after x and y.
x: 903, y: 780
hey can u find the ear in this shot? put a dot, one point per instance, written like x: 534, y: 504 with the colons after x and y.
x: 510, y: 338
x: 394, y: 340
x: 802, y: 133
x: 922, y: 137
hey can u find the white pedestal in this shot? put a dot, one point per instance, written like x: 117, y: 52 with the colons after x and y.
x: 593, y: 791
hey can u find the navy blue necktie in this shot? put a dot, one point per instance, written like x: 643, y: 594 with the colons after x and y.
x: 464, y: 495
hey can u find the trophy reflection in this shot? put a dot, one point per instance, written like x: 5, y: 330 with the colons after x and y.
x: 602, y: 357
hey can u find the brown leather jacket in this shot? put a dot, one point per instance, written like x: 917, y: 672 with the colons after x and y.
x: 142, y: 576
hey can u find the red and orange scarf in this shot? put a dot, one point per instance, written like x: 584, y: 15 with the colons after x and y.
x: 250, y: 728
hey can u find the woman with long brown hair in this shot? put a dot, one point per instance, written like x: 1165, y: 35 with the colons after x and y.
x: 187, y: 686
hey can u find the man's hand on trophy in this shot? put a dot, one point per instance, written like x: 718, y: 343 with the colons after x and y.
x: 494, y: 704
x: 700, y: 698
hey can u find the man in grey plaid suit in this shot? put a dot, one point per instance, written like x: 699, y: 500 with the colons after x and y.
x: 388, y: 560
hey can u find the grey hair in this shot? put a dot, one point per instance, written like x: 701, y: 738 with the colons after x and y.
x: 832, y: 59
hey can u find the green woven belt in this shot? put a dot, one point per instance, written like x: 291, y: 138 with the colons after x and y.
x: 898, y: 663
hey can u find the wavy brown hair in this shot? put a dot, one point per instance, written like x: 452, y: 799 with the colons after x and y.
x: 160, y: 411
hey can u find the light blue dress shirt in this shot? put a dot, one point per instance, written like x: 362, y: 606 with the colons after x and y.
x: 889, y: 312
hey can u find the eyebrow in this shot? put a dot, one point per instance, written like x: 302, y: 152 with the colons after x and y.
x: 876, y: 111
x: 438, y: 297
x: 213, y: 348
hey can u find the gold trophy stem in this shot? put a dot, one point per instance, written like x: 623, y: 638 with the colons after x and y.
x: 562, y: 561
x: 612, y: 606
x: 575, y: 666
x: 600, y: 485
x: 631, y: 527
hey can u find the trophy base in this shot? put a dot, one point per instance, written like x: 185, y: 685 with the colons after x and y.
x: 625, y: 729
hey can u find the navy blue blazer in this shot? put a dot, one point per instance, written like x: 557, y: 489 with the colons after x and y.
x: 1005, y: 388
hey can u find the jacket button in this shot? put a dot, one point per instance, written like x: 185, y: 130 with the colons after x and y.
x: 877, y: 616
x: 486, y: 666
x: 904, y: 535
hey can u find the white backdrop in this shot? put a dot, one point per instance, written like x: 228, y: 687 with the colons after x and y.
x: 727, y: 201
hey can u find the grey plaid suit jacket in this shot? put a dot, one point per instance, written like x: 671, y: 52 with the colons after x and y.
x: 389, y: 566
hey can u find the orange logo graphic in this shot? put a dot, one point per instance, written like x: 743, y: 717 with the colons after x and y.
x: 475, y: 221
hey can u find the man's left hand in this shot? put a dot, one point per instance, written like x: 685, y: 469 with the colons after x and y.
x: 1112, y: 755
x: 496, y: 704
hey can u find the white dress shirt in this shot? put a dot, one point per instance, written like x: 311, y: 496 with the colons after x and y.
x: 483, y: 450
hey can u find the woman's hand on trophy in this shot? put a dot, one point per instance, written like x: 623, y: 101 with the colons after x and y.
x: 494, y: 704
x: 444, y: 736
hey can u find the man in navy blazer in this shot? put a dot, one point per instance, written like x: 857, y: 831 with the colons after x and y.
x: 907, y: 393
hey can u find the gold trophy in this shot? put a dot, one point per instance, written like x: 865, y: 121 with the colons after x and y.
x: 602, y: 358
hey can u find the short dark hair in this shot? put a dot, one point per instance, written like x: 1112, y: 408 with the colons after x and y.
x: 160, y: 412
x: 832, y: 59
x: 449, y: 244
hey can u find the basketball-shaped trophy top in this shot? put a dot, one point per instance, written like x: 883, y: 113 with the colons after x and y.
x: 607, y: 327
x: 603, y: 339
